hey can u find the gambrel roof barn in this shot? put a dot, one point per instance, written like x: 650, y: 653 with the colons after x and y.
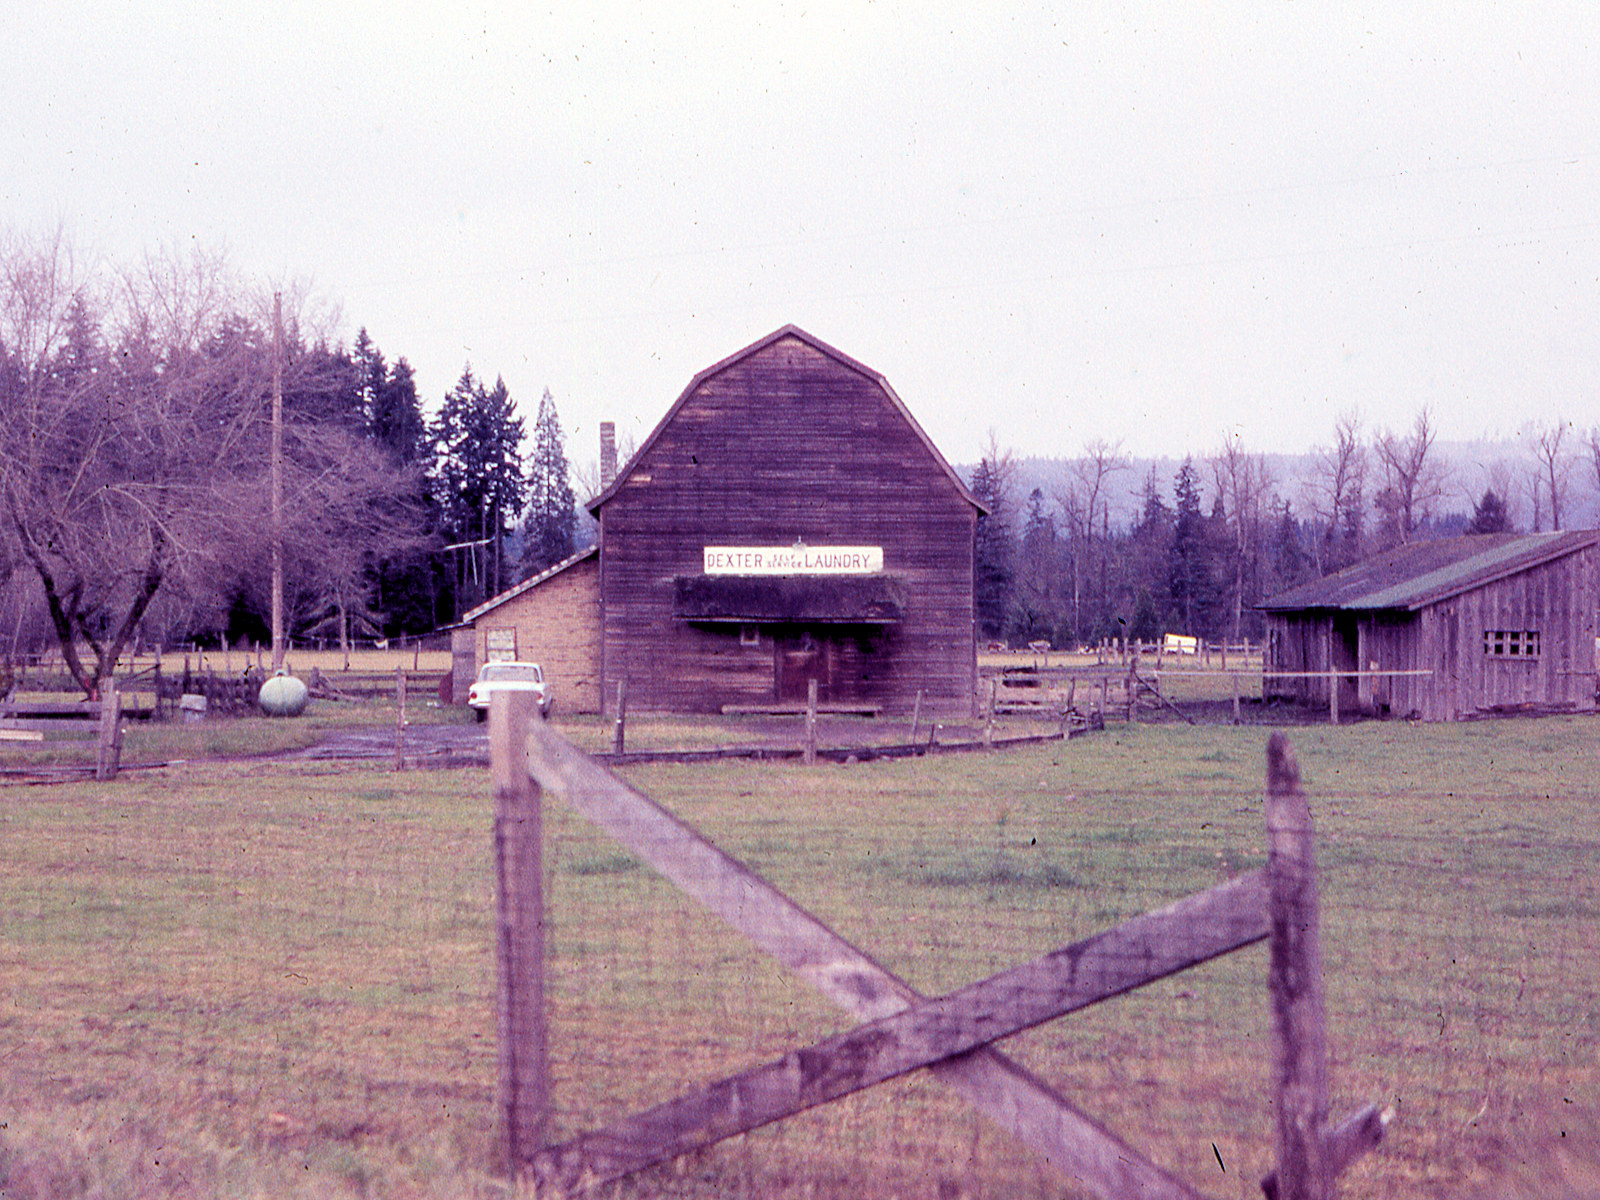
x: 787, y: 521
x: 1446, y: 630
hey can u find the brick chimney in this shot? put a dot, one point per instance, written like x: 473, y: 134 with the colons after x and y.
x: 608, y: 453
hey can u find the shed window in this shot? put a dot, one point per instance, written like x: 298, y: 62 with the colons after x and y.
x: 1511, y: 643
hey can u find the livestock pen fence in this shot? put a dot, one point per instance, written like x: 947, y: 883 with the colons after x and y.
x: 901, y: 1030
x: 1091, y: 692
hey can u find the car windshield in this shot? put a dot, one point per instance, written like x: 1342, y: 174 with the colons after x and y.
x: 510, y: 673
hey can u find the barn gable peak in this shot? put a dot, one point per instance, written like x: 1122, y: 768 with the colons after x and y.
x: 757, y: 347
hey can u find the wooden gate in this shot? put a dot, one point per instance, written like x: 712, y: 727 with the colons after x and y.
x: 900, y: 1029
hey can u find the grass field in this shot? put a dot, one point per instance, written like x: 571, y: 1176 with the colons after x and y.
x: 271, y: 979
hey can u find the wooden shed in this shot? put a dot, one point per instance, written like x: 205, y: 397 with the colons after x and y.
x: 787, y: 520
x: 1445, y: 630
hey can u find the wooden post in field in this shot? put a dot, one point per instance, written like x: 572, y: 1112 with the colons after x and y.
x: 1294, y: 981
x: 1333, y: 680
x: 1233, y: 683
x: 916, y: 719
x: 275, y: 503
x: 108, y: 753
x: 619, y: 732
x: 524, y: 1080
x: 811, y: 722
x: 988, y: 721
x: 400, y: 718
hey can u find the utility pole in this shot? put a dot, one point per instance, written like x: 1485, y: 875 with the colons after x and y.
x: 277, y: 481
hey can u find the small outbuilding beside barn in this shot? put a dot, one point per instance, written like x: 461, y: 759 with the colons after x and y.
x: 552, y: 618
x: 1445, y: 630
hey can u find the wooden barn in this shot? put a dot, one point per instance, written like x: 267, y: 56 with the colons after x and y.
x: 1445, y: 630
x: 786, y: 521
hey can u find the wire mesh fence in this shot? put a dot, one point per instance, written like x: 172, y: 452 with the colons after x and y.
x: 295, y: 969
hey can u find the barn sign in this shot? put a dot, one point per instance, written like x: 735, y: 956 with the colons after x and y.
x: 793, y: 560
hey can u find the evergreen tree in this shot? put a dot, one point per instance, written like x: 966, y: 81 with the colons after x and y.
x: 1033, y: 615
x: 1189, y: 559
x: 1489, y: 515
x: 1353, y: 536
x: 1149, y: 554
x: 994, y: 549
x: 1146, y: 623
x: 390, y: 410
x: 551, y: 531
x: 478, y: 481
x: 407, y: 585
x: 1289, y: 564
x: 371, y: 374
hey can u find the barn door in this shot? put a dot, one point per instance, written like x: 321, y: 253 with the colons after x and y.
x: 1344, y: 647
x: 802, y: 657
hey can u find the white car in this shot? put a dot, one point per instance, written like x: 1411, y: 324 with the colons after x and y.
x: 509, y: 677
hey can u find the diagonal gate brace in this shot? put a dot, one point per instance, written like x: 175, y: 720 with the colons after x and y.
x: 1128, y: 956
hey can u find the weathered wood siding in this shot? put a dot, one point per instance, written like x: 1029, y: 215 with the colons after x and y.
x: 786, y: 442
x: 1558, y: 600
x: 557, y: 624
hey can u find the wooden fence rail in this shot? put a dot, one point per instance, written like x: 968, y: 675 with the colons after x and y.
x: 901, y: 1030
x: 25, y: 723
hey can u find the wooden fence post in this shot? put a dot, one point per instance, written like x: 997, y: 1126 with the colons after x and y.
x: 524, y: 1081
x: 400, y: 719
x: 619, y: 732
x: 1294, y: 980
x: 916, y: 719
x: 988, y: 722
x: 811, y: 722
x: 108, y: 753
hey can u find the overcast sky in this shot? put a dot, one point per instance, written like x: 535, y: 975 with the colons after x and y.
x: 1156, y: 224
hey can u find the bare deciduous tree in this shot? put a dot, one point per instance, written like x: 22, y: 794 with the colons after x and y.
x: 1334, y: 492
x: 1245, y: 485
x: 1555, y: 464
x: 133, y: 457
x: 1084, y: 500
x: 1413, y: 479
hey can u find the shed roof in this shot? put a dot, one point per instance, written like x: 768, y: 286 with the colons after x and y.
x: 1418, y: 574
x: 533, y: 581
x: 838, y: 356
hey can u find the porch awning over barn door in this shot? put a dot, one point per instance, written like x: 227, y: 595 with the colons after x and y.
x: 791, y: 599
